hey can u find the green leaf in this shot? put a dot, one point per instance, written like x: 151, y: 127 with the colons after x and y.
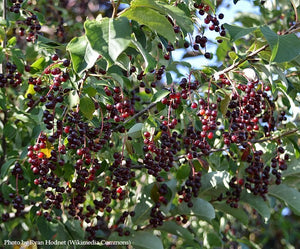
x: 74, y: 228
x: 293, y: 168
x: 159, y: 95
x: 290, y: 196
x: 183, y: 172
x: 12, y: 41
x: 110, y: 37
x: 150, y: 62
x: 238, y: 213
x: 258, y: 204
x: 153, y: 19
x: 17, y: 55
x: 182, y: 20
x: 87, y: 107
x: 224, y: 104
x: 5, y: 167
x: 82, y: 55
x: 9, y: 131
x: 46, y: 228
x: 73, y: 99
x: 284, y: 47
x: 144, y: 239
x: 173, y: 228
x: 38, y: 65
x: 201, y: 208
x: 136, y: 130
x: 214, y: 183
x: 237, y: 32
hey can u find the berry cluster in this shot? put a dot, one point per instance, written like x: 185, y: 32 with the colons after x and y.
x: 157, y: 217
x: 30, y: 27
x: 160, y: 157
x: 121, y: 108
x: 11, y: 77
x: 245, y: 111
x: 190, y: 188
x: 16, y: 5
x: 233, y: 196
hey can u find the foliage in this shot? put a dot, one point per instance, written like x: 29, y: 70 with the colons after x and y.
x: 105, y: 138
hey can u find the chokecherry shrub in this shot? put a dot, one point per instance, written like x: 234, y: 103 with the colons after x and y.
x: 106, y: 137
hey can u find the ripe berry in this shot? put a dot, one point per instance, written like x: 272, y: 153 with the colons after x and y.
x: 210, y: 135
x: 54, y: 57
x: 194, y: 105
x: 147, y: 134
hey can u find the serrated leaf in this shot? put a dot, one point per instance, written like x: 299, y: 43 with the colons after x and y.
x: 159, y: 95
x: 237, y: 32
x: 87, y: 107
x: 238, y: 213
x: 83, y: 57
x: 136, y: 130
x: 152, y: 19
x: 110, y: 37
x: 290, y: 196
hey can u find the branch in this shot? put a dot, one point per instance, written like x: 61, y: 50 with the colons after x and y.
x: 275, y: 137
x: 137, y: 115
x: 235, y: 65
x: 115, y: 8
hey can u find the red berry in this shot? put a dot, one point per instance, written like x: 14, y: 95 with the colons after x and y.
x: 210, y: 135
x: 119, y: 190
x: 41, y: 155
x: 194, y: 105
x: 241, y: 181
x: 54, y: 57
x: 67, y: 129
x: 147, y: 134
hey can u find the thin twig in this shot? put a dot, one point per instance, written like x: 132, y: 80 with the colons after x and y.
x: 275, y: 137
x: 235, y: 65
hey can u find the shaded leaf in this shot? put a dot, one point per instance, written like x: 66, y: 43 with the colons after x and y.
x: 87, y: 107
x: 237, y: 32
x: 258, y: 204
x: 289, y: 195
x: 173, y: 228
x: 238, y: 213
